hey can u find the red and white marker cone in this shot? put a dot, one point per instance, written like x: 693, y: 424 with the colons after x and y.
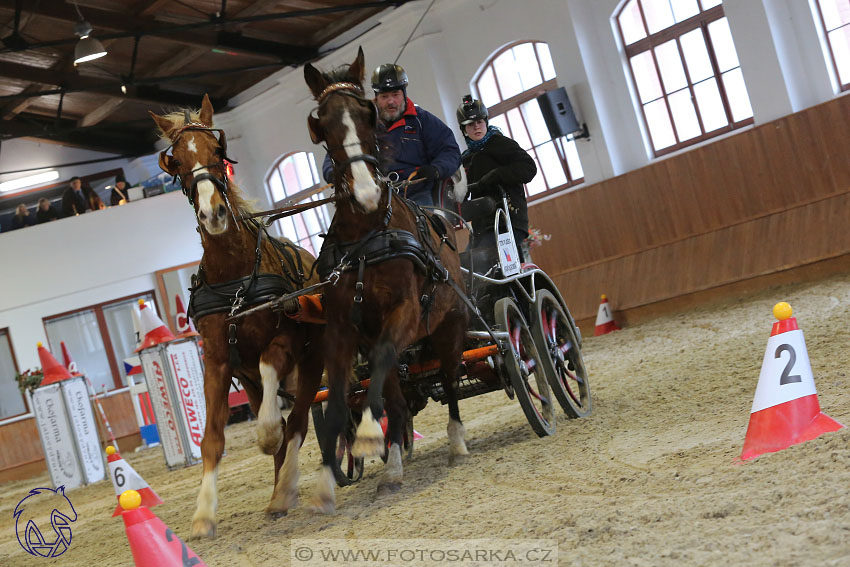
x: 785, y: 408
x: 605, y: 319
x: 152, y: 542
x: 124, y: 478
x: 68, y: 361
x: 416, y: 435
x: 53, y: 371
x: 184, y: 324
x: 153, y: 329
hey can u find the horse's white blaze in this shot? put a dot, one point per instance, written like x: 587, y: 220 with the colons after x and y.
x: 393, y: 470
x: 456, y: 432
x: 191, y: 145
x: 207, y: 497
x: 366, y: 191
x: 269, y: 429
x: 206, y: 190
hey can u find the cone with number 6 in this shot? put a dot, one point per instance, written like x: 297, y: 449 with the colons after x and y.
x: 785, y: 407
x: 124, y: 477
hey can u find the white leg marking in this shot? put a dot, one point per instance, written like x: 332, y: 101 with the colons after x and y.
x: 207, y: 503
x: 269, y: 429
x: 324, y: 501
x: 369, y: 439
x: 285, y: 495
x: 393, y: 470
x: 456, y: 432
x: 366, y: 191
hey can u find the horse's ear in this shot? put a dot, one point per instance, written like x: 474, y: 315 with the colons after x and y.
x: 163, y: 123
x: 314, y: 78
x: 357, y: 69
x: 206, y: 111
x: 315, y: 129
x: 167, y: 163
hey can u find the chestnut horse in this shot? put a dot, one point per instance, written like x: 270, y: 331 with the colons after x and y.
x: 264, y: 348
x: 393, y: 269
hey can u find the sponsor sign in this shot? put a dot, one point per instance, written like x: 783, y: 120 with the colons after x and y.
x: 84, y: 428
x: 51, y: 416
x: 163, y: 407
x: 508, y: 254
x: 188, y: 376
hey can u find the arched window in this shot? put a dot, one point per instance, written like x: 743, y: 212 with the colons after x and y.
x: 835, y: 18
x: 294, y: 179
x: 508, y: 85
x: 685, y: 70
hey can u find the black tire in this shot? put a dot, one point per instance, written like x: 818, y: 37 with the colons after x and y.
x: 522, y: 365
x: 347, y: 469
x: 561, y: 355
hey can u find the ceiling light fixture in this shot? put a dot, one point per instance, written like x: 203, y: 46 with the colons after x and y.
x: 28, y: 180
x: 88, y: 48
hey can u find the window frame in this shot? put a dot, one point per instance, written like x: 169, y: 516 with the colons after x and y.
x: 699, y: 21
x: 104, y: 330
x: 502, y: 107
x: 28, y: 410
x: 841, y: 86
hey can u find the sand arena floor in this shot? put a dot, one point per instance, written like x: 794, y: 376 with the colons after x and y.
x: 649, y: 479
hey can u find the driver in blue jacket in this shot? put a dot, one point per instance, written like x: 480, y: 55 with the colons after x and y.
x: 415, y: 140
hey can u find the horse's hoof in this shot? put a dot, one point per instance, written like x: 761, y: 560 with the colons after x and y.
x: 391, y: 487
x: 281, y: 505
x: 202, y: 527
x: 368, y: 447
x: 322, y: 505
x: 275, y: 514
x: 270, y: 443
x: 457, y: 459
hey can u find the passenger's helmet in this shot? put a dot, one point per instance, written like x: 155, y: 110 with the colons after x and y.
x: 389, y: 77
x: 470, y: 110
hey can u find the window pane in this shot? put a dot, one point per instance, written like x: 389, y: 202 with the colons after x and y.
x: 507, y: 74
x: 487, y: 88
x: 660, y: 129
x: 501, y: 123
x: 305, y: 174
x: 276, y: 187
x: 312, y: 222
x: 520, y: 135
x: 631, y: 23
x: 11, y: 399
x: 706, y: 4
x: 119, y: 324
x: 81, y: 334
x: 290, y: 176
x: 696, y: 55
x: 840, y: 42
x: 670, y: 63
x: 710, y: 105
x: 545, y: 61
x: 573, y: 161
x: 313, y: 170
x: 835, y: 13
x: 552, y: 167
x: 529, y: 70
x: 646, y: 77
x: 288, y: 228
x: 684, y: 9
x: 724, y: 47
x: 684, y: 115
x: 534, y: 120
x: 736, y: 92
x: 538, y: 184
x: 658, y: 15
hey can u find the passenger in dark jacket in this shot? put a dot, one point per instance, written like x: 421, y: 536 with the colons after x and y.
x: 413, y: 139
x: 46, y: 211
x: 493, y: 160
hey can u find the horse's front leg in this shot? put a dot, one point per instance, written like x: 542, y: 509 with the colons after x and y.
x: 216, y: 386
x: 275, y: 362
x: 448, y: 344
x: 398, y: 333
x: 397, y: 416
x: 285, y: 496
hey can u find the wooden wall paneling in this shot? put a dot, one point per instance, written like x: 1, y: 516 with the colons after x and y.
x: 119, y: 412
x: 19, y: 443
x: 832, y: 121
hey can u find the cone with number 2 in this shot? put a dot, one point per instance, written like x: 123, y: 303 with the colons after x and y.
x: 124, y: 477
x: 785, y: 407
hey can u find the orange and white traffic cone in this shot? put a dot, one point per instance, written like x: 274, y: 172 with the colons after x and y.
x: 605, y: 319
x: 785, y: 407
x: 184, y: 324
x: 53, y: 371
x: 153, y: 329
x: 152, y: 542
x: 124, y: 477
x: 68, y: 361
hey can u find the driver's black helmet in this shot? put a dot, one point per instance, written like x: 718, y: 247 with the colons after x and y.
x: 389, y: 77
x: 470, y: 110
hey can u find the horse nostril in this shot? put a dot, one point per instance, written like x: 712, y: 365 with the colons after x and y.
x: 202, y: 215
x: 222, y: 211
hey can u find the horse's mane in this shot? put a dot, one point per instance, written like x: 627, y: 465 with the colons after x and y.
x: 178, y: 120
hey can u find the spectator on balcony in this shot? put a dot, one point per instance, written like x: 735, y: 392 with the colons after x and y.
x: 73, y: 200
x: 46, y: 211
x: 22, y: 217
x: 119, y: 191
x: 94, y: 200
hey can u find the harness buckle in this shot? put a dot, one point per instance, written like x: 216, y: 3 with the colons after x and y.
x: 238, y: 299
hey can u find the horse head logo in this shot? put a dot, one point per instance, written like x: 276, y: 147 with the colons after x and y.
x: 62, y: 514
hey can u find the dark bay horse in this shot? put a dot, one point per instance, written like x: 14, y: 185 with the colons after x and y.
x: 240, y: 266
x: 393, y: 268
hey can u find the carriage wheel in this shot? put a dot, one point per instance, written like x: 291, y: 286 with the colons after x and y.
x: 561, y: 355
x: 347, y: 469
x: 522, y: 364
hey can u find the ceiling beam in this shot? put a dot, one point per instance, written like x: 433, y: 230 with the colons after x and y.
x: 116, y: 139
x: 17, y: 106
x: 105, y: 109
